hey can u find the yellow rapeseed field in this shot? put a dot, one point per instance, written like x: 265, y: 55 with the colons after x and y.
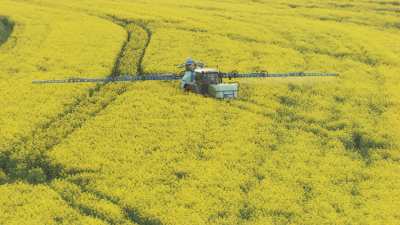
x: 287, y: 151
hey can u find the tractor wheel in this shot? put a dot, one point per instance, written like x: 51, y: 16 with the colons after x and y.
x: 187, y: 87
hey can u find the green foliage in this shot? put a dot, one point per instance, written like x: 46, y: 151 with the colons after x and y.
x: 23, y: 203
x: 36, y: 175
x: 6, y: 27
x: 3, y: 177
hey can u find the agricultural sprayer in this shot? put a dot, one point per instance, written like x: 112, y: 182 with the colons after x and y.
x: 195, y: 77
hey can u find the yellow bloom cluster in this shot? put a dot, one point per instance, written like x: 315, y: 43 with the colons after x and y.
x: 287, y: 151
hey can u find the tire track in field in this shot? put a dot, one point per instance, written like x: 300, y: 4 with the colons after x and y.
x: 126, y: 23
x: 130, y: 213
x: 90, y: 203
x: 44, y: 137
x: 27, y: 158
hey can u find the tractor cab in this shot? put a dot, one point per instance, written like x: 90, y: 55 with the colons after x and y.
x: 196, y: 78
x: 204, y: 77
x: 207, y: 75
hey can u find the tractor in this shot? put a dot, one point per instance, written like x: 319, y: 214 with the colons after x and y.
x: 207, y: 81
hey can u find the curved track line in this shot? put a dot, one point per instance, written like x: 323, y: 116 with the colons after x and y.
x: 142, y: 25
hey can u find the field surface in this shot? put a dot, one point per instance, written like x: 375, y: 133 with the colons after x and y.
x: 287, y: 151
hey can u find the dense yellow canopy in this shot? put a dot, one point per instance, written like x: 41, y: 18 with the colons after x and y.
x: 288, y: 151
